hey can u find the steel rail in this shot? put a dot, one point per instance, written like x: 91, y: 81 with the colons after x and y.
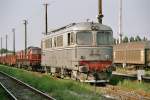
x: 8, y: 92
x: 30, y: 87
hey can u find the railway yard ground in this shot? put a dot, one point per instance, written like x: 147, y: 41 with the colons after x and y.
x: 124, y: 83
x: 70, y: 89
x: 127, y: 89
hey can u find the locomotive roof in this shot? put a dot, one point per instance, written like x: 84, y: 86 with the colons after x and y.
x: 82, y: 26
x: 32, y: 47
x: 28, y: 48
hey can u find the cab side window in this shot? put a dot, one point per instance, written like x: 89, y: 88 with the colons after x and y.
x: 70, y: 38
x: 47, y: 43
x: 60, y: 41
x: 55, y: 39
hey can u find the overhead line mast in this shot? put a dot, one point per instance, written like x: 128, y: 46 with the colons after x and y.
x: 100, y: 13
x: 1, y: 46
x: 120, y: 22
x: 6, y: 44
x: 14, y: 51
x: 46, y: 19
x: 25, y: 24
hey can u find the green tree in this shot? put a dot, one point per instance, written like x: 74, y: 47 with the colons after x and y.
x: 137, y: 38
x: 125, y: 39
x: 114, y: 40
x: 4, y: 51
x: 144, y: 38
x: 131, y: 39
x: 117, y: 41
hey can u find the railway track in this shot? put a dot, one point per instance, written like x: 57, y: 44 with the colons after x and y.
x: 8, y: 93
x: 18, y: 90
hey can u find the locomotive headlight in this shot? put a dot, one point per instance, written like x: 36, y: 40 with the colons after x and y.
x: 94, y: 27
x: 82, y: 57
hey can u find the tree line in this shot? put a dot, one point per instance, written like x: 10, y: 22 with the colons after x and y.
x: 4, y: 51
x: 130, y: 39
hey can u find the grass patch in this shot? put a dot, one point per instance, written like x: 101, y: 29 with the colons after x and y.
x: 57, y: 88
x: 147, y: 73
x: 127, y: 84
x: 115, y: 80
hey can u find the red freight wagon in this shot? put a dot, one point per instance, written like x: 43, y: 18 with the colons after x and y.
x: 13, y: 60
x: 34, y: 56
x: 31, y: 60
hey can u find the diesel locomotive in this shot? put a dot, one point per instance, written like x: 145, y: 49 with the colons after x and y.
x: 82, y: 51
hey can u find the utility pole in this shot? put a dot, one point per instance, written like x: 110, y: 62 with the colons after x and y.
x: 25, y: 24
x: 14, y: 49
x: 120, y: 22
x: 100, y: 13
x: 1, y: 46
x: 6, y: 44
x: 46, y: 19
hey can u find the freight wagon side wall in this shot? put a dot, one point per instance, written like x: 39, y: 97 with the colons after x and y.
x: 135, y: 56
x: 148, y: 57
x: 129, y: 56
x: 119, y: 56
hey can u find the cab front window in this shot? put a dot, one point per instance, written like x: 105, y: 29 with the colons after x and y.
x: 84, y: 38
x: 104, y: 38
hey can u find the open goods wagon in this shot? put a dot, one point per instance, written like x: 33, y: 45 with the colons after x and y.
x: 32, y: 58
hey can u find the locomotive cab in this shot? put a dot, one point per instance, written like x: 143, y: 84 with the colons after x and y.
x: 94, y: 53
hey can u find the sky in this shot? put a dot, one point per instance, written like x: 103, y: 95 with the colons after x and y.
x: 136, y: 16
